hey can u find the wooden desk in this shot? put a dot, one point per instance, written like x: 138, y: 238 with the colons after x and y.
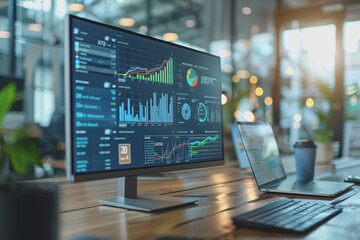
x: 222, y: 192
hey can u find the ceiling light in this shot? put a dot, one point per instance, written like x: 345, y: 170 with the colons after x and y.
x: 75, y: 7
x: 190, y: 23
x: 5, y: 34
x: 35, y: 27
x: 246, y: 10
x: 171, y: 37
x: 126, y: 22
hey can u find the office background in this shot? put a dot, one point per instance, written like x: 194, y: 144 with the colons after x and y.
x: 295, y: 64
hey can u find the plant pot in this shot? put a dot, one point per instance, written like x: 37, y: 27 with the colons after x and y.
x: 29, y: 212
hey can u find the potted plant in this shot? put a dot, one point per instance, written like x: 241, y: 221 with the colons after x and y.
x: 324, y: 111
x: 27, y: 210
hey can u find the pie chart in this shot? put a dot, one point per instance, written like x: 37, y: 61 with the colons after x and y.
x: 192, y: 77
x: 186, y: 111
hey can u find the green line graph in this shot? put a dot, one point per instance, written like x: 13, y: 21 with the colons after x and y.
x: 198, y: 144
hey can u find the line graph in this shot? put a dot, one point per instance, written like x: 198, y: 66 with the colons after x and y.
x: 175, y: 149
x: 172, y: 151
x: 195, y: 147
x: 142, y: 65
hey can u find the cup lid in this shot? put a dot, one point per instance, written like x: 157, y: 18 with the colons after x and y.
x: 305, y: 144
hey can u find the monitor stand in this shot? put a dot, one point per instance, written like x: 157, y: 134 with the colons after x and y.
x: 128, y: 198
x: 160, y: 176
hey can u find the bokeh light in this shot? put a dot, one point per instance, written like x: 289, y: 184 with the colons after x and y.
x: 224, y: 98
x: 249, y: 116
x: 253, y: 79
x: 289, y: 70
x: 309, y: 102
x: 268, y: 101
x: 298, y: 117
x: 259, y: 91
x: 126, y: 22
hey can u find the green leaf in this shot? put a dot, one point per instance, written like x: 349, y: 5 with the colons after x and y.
x: 7, y: 97
x: 29, y: 146
x: 19, y: 160
x: 15, y: 135
x: 3, y: 155
x: 22, y: 149
x: 23, y: 152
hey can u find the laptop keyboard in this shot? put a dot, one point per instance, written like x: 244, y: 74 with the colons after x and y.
x: 287, y: 215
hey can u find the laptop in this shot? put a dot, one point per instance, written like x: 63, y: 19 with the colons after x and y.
x: 239, y: 148
x: 263, y: 154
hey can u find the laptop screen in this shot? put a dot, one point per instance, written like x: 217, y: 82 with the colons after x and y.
x: 262, y: 150
x: 239, y: 148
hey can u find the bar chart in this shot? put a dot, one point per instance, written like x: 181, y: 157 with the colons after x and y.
x: 154, y: 109
x: 140, y: 65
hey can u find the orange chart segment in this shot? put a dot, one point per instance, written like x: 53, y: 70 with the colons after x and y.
x: 192, y: 77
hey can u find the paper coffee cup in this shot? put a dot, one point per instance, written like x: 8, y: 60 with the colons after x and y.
x: 305, y: 155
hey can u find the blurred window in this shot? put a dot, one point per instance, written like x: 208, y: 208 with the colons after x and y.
x: 352, y: 70
x: 307, y: 70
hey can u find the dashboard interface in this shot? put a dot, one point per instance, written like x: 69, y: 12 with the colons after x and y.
x: 139, y: 102
x: 262, y: 151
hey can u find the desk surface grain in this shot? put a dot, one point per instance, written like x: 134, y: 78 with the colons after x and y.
x: 222, y: 192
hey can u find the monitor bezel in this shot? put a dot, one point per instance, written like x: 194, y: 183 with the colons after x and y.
x: 71, y: 176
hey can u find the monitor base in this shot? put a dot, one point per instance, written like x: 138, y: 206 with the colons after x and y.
x: 147, y: 202
x: 128, y: 198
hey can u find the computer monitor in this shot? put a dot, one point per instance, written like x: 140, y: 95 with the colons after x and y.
x: 138, y: 105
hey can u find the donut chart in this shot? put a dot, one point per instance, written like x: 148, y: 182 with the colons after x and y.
x: 192, y: 77
x: 186, y: 111
x: 202, y: 112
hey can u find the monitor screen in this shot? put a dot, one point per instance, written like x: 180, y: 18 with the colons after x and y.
x: 262, y: 150
x: 137, y: 102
